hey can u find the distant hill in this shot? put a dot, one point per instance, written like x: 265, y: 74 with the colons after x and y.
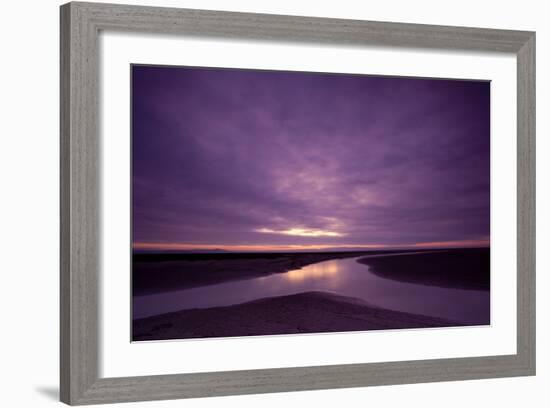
x: 180, y: 251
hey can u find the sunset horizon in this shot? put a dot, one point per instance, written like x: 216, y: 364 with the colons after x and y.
x: 160, y: 246
x: 275, y: 158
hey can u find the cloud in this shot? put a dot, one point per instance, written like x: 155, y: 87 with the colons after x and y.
x: 301, y: 232
x: 224, y: 156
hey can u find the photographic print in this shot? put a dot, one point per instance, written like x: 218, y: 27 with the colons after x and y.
x: 277, y: 202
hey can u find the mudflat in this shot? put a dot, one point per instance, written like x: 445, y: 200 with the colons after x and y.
x: 308, y: 312
x: 465, y: 268
x: 156, y: 273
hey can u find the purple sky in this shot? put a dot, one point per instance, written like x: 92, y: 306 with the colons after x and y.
x: 256, y: 158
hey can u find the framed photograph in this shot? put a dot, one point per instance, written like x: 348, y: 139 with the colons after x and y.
x: 260, y: 203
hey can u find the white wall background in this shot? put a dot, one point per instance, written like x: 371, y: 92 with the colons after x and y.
x: 29, y: 205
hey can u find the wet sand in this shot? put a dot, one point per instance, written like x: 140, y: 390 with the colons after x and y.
x: 457, y: 268
x: 309, y: 312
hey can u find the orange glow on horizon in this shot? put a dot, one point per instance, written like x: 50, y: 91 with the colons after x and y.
x: 172, y: 246
x: 453, y: 244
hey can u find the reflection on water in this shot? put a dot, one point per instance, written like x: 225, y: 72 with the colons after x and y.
x: 344, y: 277
x: 323, y: 270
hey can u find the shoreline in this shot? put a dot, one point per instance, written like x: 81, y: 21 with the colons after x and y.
x: 467, y: 268
x: 307, y: 312
x: 157, y: 273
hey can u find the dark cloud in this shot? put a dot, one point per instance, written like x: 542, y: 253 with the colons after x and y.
x: 219, y: 154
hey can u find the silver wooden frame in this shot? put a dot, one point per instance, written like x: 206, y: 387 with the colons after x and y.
x: 80, y: 158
